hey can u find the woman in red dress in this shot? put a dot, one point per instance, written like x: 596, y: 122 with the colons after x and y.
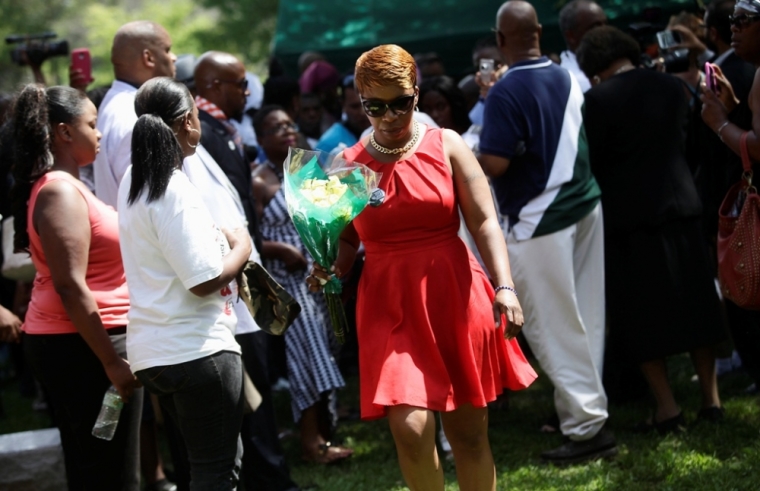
x: 430, y: 325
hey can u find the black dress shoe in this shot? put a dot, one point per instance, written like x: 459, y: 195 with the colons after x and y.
x: 712, y: 414
x: 573, y: 452
x: 676, y: 424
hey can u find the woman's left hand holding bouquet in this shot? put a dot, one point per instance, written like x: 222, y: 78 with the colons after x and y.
x: 349, y: 244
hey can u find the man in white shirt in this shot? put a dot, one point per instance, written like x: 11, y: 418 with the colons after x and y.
x: 575, y: 20
x: 141, y: 50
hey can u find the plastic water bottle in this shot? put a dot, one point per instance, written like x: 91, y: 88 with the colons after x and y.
x: 108, y: 419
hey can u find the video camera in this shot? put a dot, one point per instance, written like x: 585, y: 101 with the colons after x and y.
x: 36, y: 48
x: 645, y: 33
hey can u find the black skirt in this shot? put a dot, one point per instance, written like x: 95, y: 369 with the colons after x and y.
x: 661, y: 294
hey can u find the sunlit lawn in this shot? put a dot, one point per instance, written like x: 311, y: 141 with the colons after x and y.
x: 707, y: 457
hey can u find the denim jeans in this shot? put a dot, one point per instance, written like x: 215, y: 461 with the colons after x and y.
x: 204, y: 397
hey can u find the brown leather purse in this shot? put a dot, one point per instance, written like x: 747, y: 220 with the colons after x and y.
x: 739, y: 239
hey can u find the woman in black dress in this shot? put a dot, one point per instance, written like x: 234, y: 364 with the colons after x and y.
x: 661, y: 295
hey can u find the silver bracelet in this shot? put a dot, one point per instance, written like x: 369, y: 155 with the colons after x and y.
x: 721, y: 129
x: 504, y: 287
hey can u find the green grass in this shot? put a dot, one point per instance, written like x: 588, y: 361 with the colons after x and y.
x: 707, y: 457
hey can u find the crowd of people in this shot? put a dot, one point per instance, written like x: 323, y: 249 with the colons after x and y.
x: 565, y: 205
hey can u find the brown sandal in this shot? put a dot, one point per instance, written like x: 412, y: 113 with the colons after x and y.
x: 327, y: 454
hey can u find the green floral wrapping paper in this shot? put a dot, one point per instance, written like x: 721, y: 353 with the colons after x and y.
x: 324, y: 194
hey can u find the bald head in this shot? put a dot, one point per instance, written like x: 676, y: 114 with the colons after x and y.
x: 577, y: 18
x: 214, y: 65
x: 141, y: 50
x: 220, y: 78
x: 519, y: 31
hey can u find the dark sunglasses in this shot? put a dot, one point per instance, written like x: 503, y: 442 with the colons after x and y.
x: 242, y: 84
x: 743, y: 20
x: 376, y: 109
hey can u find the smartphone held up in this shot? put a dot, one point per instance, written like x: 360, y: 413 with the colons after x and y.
x: 667, y: 39
x: 711, y: 79
x: 486, y: 69
x: 81, y: 63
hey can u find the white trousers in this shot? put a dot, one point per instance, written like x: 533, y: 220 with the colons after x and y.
x: 560, y: 281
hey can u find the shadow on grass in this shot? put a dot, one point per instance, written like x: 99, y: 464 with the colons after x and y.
x: 705, y: 457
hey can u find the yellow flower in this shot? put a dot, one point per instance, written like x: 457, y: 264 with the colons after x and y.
x: 323, y: 193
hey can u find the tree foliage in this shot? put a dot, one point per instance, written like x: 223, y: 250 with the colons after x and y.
x: 242, y: 27
x: 23, y: 17
x: 248, y: 24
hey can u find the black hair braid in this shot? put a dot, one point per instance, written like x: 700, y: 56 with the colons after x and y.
x: 30, y: 153
x: 156, y: 152
x: 155, y: 147
x: 34, y: 114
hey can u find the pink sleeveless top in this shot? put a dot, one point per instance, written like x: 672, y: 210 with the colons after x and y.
x: 105, y: 272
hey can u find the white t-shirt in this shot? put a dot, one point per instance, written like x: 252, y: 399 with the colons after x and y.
x: 169, y: 246
x: 223, y: 203
x: 116, y: 119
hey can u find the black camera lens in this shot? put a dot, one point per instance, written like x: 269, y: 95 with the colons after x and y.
x: 35, y: 48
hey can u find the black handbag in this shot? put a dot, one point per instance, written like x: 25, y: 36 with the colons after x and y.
x: 273, y: 308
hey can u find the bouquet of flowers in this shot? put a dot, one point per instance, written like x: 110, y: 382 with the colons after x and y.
x: 324, y: 194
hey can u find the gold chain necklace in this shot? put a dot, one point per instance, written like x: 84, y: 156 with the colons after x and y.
x: 395, y: 151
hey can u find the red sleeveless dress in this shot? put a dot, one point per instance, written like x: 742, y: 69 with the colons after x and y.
x: 424, y: 311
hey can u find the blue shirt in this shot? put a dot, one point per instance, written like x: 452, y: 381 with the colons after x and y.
x: 334, y: 136
x: 533, y: 117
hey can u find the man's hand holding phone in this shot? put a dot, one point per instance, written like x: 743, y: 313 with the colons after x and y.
x: 487, y: 75
x: 485, y: 70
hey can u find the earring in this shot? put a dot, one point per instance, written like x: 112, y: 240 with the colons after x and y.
x: 188, y: 138
x: 596, y: 80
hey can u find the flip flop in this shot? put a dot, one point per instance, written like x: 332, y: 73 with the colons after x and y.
x: 327, y: 453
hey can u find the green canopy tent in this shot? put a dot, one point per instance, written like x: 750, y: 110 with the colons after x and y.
x: 343, y: 29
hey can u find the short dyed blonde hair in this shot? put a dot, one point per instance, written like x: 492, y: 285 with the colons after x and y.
x: 385, y: 65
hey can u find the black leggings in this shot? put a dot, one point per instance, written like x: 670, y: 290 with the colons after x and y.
x: 75, y: 382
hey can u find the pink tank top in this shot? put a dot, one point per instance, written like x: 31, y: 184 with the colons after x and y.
x: 105, y: 272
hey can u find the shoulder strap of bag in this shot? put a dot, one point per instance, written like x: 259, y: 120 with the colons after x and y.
x: 746, y: 162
